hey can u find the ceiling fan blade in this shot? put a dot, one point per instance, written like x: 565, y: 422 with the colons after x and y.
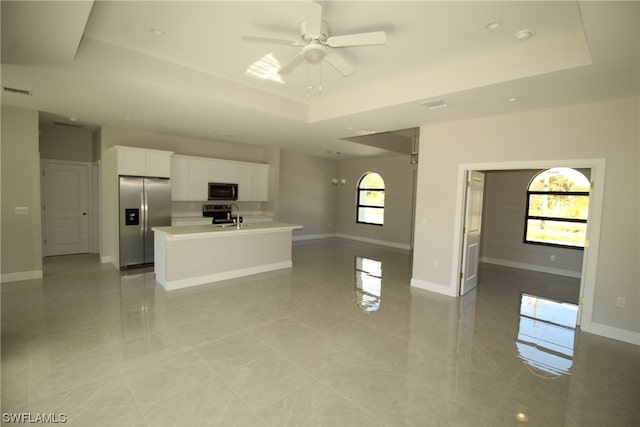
x: 271, y: 40
x: 337, y: 62
x: 313, y: 19
x: 293, y: 63
x: 361, y: 39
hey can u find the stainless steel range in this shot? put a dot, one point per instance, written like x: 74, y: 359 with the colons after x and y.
x: 221, y: 214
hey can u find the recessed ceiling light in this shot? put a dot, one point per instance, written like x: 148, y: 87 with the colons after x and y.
x: 365, y: 132
x: 157, y: 31
x: 512, y: 99
x: 522, y: 417
x: 523, y: 35
x: 73, y: 119
x: 494, y: 25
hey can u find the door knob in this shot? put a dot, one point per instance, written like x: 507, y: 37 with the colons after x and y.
x: 84, y: 213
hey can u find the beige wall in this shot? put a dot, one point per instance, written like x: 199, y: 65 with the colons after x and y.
x: 307, y: 196
x: 604, y: 130
x: 398, y: 175
x: 503, y: 227
x: 70, y: 144
x: 21, y: 234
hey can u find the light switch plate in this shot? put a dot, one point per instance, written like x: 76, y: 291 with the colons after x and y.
x: 22, y: 210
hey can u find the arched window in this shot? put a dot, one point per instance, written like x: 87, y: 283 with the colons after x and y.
x: 557, y: 208
x: 370, y: 209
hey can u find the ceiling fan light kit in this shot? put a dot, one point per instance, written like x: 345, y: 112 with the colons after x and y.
x: 317, y: 45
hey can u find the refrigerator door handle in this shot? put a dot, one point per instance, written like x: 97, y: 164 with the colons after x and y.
x: 143, y: 213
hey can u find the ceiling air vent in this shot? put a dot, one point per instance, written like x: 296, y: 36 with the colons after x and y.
x: 434, y: 105
x: 17, y: 91
x: 68, y: 125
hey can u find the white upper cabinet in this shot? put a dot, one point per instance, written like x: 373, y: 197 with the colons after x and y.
x: 180, y: 178
x: 143, y: 162
x: 190, y: 177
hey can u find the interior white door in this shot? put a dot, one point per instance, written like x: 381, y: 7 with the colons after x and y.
x: 471, y: 232
x: 66, y: 208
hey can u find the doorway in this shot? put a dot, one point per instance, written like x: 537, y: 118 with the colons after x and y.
x: 590, y: 253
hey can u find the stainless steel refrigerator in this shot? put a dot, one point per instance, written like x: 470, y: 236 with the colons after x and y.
x: 144, y: 203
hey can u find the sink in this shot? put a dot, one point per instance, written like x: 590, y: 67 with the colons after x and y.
x: 231, y: 225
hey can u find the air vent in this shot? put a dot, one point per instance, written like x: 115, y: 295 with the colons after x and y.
x: 68, y: 125
x: 434, y: 105
x: 17, y: 91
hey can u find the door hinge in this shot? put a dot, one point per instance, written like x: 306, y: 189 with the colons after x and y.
x: 468, y: 184
x: 593, y: 183
x: 464, y: 230
x: 461, y: 275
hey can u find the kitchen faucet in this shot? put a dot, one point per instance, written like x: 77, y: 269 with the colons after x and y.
x: 232, y: 204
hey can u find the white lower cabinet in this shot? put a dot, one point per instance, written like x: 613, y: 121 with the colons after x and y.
x: 190, y: 177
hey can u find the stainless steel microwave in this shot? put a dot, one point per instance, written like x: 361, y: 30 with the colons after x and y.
x: 222, y: 191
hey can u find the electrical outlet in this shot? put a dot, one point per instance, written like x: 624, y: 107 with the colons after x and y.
x: 620, y: 302
x: 552, y: 258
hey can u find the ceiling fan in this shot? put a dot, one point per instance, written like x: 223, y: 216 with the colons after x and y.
x: 316, y: 43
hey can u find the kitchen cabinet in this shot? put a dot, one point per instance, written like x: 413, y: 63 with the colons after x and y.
x: 190, y: 177
x: 136, y: 161
x: 179, y: 178
x: 258, y: 183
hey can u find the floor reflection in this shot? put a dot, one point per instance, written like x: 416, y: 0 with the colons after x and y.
x: 546, y: 335
x: 368, y: 283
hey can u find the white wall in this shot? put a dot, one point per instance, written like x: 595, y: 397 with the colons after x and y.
x: 604, y: 130
x: 21, y: 238
x: 503, y: 223
x: 398, y: 175
x: 307, y: 196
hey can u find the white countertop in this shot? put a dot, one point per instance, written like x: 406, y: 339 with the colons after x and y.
x: 202, y: 231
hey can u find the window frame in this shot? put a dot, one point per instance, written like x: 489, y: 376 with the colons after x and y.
x: 527, y: 217
x: 359, y: 205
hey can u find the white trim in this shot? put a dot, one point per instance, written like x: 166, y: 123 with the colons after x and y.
x: 434, y: 287
x: 170, y: 285
x: 20, y: 275
x: 105, y: 259
x: 590, y: 255
x: 612, y: 332
x: 314, y: 236
x: 375, y: 241
x: 532, y: 267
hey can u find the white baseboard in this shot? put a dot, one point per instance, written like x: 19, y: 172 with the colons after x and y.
x: 612, y: 332
x: 21, y: 275
x: 313, y: 237
x: 171, y: 285
x: 105, y: 259
x: 433, y: 287
x: 532, y: 267
x: 374, y: 241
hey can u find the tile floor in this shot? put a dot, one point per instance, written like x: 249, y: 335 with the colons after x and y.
x: 339, y: 339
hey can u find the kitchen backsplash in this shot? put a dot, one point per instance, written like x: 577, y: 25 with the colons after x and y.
x: 187, y: 209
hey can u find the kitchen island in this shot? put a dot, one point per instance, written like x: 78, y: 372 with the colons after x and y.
x: 194, y: 255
